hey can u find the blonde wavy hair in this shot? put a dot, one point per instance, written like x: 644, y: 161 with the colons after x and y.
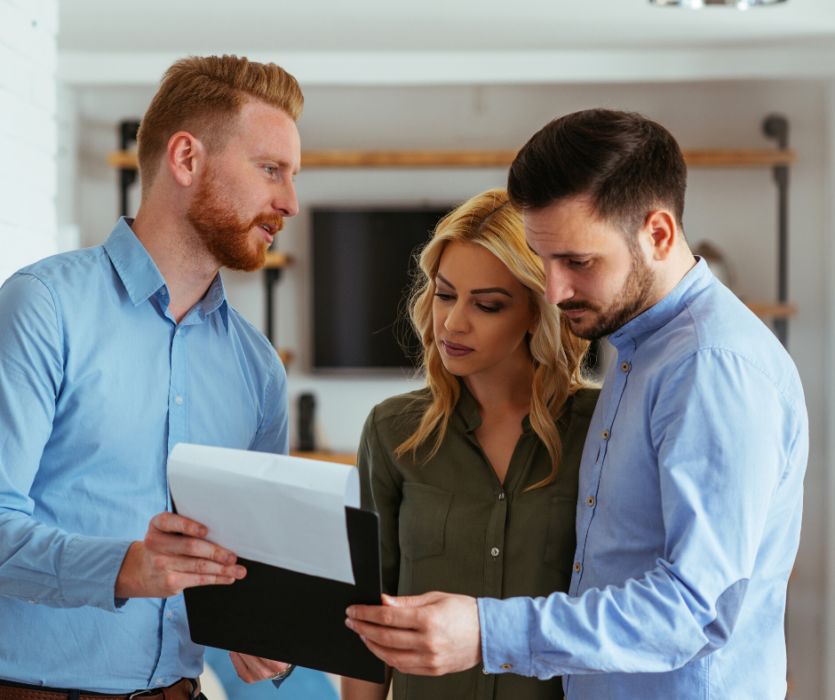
x: 489, y: 220
x: 204, y: 95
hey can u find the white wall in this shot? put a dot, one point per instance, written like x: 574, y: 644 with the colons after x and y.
x: 734, y: 208
x: 28, y: 61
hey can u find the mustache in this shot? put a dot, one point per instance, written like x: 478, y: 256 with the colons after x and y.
x: 271, y: 219
x: 576, y: 306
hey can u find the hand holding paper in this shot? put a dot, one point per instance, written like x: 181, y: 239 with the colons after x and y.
x: 172, y: 557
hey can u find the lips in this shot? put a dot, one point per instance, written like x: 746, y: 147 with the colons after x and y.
x: 456, y: 350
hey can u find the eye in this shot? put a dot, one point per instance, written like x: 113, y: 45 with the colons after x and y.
x: 489, y: 309
x: 270, y: 169
x: 579, y: 263
x: 444, y: 297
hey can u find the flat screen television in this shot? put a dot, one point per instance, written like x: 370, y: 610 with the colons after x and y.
x: 363, y: 260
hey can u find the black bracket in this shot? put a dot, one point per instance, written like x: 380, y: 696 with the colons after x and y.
x: 776, y: 127
x: 127, y: 176
x: 271, y: 277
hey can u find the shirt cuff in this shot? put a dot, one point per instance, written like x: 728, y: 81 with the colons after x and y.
x: 89, y: 568
x: 505, y: 641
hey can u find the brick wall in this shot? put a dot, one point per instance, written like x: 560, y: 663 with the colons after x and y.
x: 28, y: 134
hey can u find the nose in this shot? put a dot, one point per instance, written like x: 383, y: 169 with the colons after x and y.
x: 456, y: 321
x: 285, y: 202
x: 557, y: 286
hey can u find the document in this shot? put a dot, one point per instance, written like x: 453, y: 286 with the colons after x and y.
x: 286, y: 512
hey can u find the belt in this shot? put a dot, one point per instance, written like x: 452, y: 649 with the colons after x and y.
x: 185, y: 689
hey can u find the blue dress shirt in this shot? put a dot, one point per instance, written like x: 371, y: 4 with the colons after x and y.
x: 688, y: 522
x: 97, y: 384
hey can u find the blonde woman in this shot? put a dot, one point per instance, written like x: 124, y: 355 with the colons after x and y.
x: 475, y: 476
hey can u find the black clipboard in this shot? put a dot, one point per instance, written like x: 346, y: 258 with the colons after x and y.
x: 280, y: 614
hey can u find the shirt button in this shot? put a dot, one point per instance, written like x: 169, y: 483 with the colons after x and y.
x: 625, y: 366
x: 501, y: 496
x: 590, y: 500
x: 169, y: 614
x: 179, y: 400
x: 177, y: 332
x: 506, y: 667
x: 605, y: 432
x: 495, y: 551
x: 158, y: 681
x: 32, y: 602
x: 577, y: 567
x: 485, y: 671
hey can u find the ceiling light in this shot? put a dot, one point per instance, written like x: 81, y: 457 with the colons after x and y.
x: 699, y: 4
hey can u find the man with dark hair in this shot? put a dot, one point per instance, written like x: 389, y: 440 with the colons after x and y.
x: 691, y: 482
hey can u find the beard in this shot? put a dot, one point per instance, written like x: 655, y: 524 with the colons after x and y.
x: 225, y: 234
x: 632, y: 299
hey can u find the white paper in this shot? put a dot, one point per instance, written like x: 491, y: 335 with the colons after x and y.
x: 283, y: 511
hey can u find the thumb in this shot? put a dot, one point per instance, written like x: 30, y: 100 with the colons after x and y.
x: 409, y: 601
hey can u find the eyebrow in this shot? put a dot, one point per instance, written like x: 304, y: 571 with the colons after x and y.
x: 570, y: 254
x: 486, y: 290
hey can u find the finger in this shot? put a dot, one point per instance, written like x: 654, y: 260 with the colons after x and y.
x: 241, y: 667
x: 385, y: 616
x: 416, y: 663
x: 171, y: 522
x: 192, y: 565
x: 189, y: 547
x: 388, y: 637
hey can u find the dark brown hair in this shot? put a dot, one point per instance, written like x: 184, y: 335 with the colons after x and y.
x: 204, y: 95
x: 627, y: 164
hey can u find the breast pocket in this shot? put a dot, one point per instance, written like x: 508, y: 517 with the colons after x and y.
x: 561, y: 540
x: 423, y: 515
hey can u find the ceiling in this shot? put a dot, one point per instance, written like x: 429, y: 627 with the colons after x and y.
x: 184, y: 26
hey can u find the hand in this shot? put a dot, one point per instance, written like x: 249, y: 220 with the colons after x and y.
x: 428, y: 635
x: 252, y: 669
x: 174, y: 556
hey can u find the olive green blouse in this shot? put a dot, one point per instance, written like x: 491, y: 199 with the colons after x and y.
x: 450, y: 525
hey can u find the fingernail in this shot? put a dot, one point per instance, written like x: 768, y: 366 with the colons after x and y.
x: 350, y: 624
x: 350, y: 612
x: 229, y: 558
x: 240, y: 571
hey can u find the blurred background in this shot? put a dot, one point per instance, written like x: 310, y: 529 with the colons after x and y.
x: 393, y: 84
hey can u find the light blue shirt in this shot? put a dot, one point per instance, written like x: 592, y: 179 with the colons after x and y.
x: 97, y: 384
x: 688, y: 522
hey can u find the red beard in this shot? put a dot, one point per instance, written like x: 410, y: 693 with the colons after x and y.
x: 226, y: 235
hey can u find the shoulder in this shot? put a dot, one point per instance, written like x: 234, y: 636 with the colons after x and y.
x: 583, y: 401
x: 57, y: 269
x: 256, y: 353
x: 253, y: 340
x: 410, y: 405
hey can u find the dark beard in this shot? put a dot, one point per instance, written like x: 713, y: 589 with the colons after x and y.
x: 226, y: 235
x: 632, y: 300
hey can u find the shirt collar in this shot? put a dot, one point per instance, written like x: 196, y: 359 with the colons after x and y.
x: 668, y: 308
x: 141, y: 276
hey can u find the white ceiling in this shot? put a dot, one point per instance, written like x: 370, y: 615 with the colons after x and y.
x: 446, y: 25
x: 391, y: 42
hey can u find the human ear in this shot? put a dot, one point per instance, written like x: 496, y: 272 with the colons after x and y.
x: 661, y: 230
x: 185, y: 155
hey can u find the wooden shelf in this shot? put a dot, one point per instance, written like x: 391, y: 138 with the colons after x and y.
x: 772, y: 309
x: 716, y: 158
x: 286, y: 357
x: 338, y: 457
x: 276, y: 260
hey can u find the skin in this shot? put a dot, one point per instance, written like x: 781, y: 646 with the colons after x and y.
x: 588, y: 264
x: 481, y: 306
x: 255, y: 174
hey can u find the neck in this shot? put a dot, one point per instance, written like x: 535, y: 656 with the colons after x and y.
x: 507, y: 387
x: 186, y: 266
x: 675, y: 269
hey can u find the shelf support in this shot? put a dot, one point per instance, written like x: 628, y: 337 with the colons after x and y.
x: 127, y: 176
x: 271, y: 277
x: 776, y: 127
